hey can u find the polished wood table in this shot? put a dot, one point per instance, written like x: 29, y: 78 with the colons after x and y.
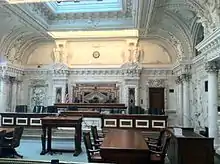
x: 50, y: 122
x: 124, y: 147
x: 8, y: 130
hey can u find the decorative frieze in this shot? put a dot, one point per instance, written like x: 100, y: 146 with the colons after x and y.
x: 156, y: 83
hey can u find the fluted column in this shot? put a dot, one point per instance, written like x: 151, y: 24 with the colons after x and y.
x: 212, y: 71
x: 14, y: 95
x: 137, y: 97
x: 186, y: 105
x: 180, y: 99
x: 19, y: 93
x: 3, y: 93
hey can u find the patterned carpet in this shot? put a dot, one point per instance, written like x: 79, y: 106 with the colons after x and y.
x: 31, y: 148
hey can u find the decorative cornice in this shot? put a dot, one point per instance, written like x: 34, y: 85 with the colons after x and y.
x: 209, y: 42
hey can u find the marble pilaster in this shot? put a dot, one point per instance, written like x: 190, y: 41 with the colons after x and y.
x: 137, y: 97
x: 186, y: 99
x: 18, y: 97
x: 180, y: 99
x: 3, y: 93
x: 14, y: 95
x: 212, y: 70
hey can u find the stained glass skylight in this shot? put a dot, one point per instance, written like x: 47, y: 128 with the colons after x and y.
x: 83, y: 6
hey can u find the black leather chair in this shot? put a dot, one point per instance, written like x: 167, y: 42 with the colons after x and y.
x: 157, y: 154
x: 2, y: 135
x: 98, y: 139
x: 21, y: 108
x: 93, y: 154
x: 52, y: 109
x: 72, y: 108
x: 12, y: 142
x: 39, y: 109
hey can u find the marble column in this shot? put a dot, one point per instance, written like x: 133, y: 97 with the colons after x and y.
x: 18, y: 97
x: 3, y: 94
x: 180, y: 100
x: 186, y: 105
x: 14, y: 95
x: 137, y: 97
x: 212, y: 71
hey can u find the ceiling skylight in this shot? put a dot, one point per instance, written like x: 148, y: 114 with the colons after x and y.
x: 83, y: 6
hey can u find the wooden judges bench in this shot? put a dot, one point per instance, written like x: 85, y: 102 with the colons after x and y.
x: 142, y: 122
x: 101, y: 107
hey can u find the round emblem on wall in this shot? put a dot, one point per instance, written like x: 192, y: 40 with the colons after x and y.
x: 96, y: 54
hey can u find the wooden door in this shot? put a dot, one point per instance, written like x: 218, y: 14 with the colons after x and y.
x: 156, y: 98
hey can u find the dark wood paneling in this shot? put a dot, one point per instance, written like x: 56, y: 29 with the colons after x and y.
x: 156, y: 98
x: 191, y: 148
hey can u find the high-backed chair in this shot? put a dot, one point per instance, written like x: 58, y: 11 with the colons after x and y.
x: 12, y: 142
x: 93, y: 154
x: 52, y: 109
x: 158, y: 156
x: 155, y: 141
x: 2, y: 135
x: 96, y: 137
x: 39, y: 109
x: 21, y: 108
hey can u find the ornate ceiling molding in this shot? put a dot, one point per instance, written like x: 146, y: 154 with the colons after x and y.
x: 27, y: 19
x: 210, y: 46
x: 143, y: 14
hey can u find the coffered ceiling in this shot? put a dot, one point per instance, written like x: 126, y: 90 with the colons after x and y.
x: 171, y: 23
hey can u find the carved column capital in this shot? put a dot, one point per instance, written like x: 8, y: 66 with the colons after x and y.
x: 186, y: 77
x: 178, y: 80
x: 211, y: 67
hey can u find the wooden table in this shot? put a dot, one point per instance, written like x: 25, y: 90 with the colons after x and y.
x: 124, y: 147
x: 50, y: 122
x: 8, y: 130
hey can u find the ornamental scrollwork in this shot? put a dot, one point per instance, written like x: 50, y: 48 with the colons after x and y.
x: 156, y: 83
x: 211, y: 67
x: 178, y: 80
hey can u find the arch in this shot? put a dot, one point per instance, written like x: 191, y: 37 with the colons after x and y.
x: 163, y: 42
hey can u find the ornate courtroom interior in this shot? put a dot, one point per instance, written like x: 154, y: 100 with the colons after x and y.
x: 110, y: 81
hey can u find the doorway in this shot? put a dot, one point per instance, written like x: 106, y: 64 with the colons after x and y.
x: 156, y: 98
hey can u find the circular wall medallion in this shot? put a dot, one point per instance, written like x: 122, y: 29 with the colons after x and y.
x: 96, y: 54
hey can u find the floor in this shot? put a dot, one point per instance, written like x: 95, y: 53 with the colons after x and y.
x: 31, y: 148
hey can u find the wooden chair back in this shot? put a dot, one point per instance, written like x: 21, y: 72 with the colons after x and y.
x: 2, y: 135
x: 17, y: 136
x: 95, y: 134
x: 88, y: 144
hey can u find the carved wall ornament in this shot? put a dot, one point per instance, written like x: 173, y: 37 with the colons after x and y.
x: 178, y: 80
x: 211, y: 67
x: 186, y: 76
x: 156, y: 83
x: 38, y: 83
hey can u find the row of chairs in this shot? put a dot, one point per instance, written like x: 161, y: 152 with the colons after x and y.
x: 157, y: 146
x: 41, y: 109
x: 156, y: 111
x: 92, y: 146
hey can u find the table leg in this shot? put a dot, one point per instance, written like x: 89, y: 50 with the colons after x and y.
x: 78, y: 136
x: 43, y: 141
x: 49, y: 139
